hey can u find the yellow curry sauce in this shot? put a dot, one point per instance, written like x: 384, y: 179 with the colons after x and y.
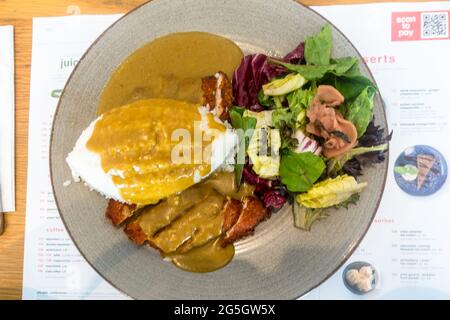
x: 135, y: 145
x: 133, y: 138
x: 209, y: 257
x: 170, y: 67
x: 158, y: 217
x: 194, y: 228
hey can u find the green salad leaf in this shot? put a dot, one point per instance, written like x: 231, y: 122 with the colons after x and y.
x: 346, y: 65
x: 353, y: 70
x: 305, y: 217
x: 239, y: 121
x: 289, y: 119
x: 281, y: 115
x: 360, y: 110
x: 293, y: 115
x: 341, y: 66
x: 318, y: 47
x: 349, y: 85
x: 330, y: 192
x: 309, y: 72
x: 341, y: 73
x: 284, y: 121
x: 300, y: 99
x: 236, y: 114
x: 265, y: 101
x: 278, y: 101
x: 299, y: 171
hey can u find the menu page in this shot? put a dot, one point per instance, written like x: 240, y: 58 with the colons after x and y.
x: 408, y: 245
x: 406, y: 252
x: 53, y: 268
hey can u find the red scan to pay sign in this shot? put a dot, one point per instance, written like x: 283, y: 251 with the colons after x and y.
x: 431, y: 25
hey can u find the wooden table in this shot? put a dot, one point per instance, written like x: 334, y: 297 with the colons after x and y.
x: 20, y: 13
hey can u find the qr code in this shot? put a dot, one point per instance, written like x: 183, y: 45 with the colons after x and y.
x: 434, y: 25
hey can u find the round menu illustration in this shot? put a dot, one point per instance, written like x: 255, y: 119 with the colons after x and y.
x: 360, y: 277
x: 420, y: 170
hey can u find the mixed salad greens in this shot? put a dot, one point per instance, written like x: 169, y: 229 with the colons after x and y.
x: 312, y: 128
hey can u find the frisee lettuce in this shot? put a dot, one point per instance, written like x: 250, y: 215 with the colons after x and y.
x: 300, y: 99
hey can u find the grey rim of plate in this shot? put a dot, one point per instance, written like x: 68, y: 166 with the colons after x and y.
x: 279, y: 261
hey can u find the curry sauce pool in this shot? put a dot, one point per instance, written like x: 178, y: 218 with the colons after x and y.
x: 207, y: 258
x: 170, y: 67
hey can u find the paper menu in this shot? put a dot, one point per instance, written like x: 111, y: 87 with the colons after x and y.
x: 53, y: 268
x: 7, y: 108
x: 407, y: 243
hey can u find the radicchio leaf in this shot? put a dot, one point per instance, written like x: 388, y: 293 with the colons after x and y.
x: 252, y: 178
x: 271, y: 192
x: 255, y: 71
x: 296, y: 55
x: 273, y: 199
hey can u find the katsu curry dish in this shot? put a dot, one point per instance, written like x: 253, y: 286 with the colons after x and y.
x: 195, y: 144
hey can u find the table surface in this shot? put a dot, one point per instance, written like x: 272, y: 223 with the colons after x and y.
x: 20, y: 13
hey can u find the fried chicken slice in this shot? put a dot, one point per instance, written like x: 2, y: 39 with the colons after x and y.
x: 118, y: 212
x: 195, y: 227
x: 135, y: 233
x: 218, y: 94
x: 155, y: 218
x: 253, y: 212
x: 231, y: 212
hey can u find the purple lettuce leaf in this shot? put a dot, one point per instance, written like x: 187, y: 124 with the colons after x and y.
x: 255, y: 71
x: 271, y: 192
x: 252, y: 178
x: 296, y: 56
x: 273, y: 199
